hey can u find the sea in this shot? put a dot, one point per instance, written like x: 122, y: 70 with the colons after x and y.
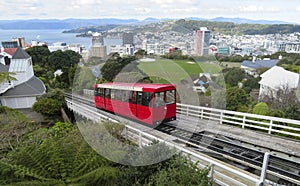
x: 49, y: 36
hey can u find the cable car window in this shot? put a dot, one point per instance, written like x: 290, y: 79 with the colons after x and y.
x: 139, y: 97
x: 144, y: 98
x: 101, y: 92
x: 146, y: 101
x: 159, y: 99
x: 132, y: 97
x: 170, y: 96
x: 107, y: 93
x: 125, y: 95
x: 116, y: 94
x: 96, y: 92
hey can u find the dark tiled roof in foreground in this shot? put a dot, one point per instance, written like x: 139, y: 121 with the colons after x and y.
x: 20, y: 54
x: 32, y: 87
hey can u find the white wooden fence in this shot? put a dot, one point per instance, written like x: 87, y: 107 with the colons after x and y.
x: 221, y: 173
x: 271, y: 125
x: 245, y: 120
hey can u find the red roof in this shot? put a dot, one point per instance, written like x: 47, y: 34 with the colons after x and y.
x: 10, y: 51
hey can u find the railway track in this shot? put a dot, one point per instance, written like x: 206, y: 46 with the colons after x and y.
x: 221, y: 147
x: 284, y: 171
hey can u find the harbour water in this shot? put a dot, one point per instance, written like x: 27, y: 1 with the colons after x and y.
x: 49, y: 36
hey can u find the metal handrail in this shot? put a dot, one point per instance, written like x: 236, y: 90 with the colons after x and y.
x: 248, y: 178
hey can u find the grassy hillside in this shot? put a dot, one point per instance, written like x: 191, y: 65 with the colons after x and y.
x: 173, y: 71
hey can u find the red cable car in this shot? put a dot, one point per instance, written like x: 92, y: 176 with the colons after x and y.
x: 149, y: 103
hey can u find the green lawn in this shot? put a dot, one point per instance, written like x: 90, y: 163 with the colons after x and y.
x: 173, y: 71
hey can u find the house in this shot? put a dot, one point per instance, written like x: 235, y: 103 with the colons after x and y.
x: 22, y: 92
x: 275, y: 79
x: 202, y: 83
x: 252, y: 67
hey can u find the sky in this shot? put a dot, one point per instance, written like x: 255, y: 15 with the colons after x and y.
x: 282, y: 10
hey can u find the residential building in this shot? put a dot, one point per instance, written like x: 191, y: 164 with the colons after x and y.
x: 202, y: 41
x: 275, y: 79
x: 202, y: 83
x: 122, y: 50
x: 9, y: 44
x: 292, y: 47
x: 21, y: 93
x: 252, y: 67
x: 112, y: 41
x: 156, y: 48
x: 58, y: 46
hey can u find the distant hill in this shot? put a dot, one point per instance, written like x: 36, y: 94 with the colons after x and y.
x: 237, y: 29
x: 60, y: 24
x: 76, y: 23
x: 248, y: 21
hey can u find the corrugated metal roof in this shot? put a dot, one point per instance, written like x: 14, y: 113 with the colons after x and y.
x: 32, y: 87
x: 260, y: 63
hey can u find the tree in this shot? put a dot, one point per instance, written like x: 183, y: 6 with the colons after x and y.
x: 292, y: 111
x: 261, y: 108
x: 47, y: 107
x: 251, y: 83
x: 7, y: 77
x: 83, y: 79
x: 236, y: 97
x: 59, y: 157
x: 50, y: 104
x: 234, y: 76
x: 115, y: 65
x: 59, y: 59
x: 181, y: 171
x: 39, y: 54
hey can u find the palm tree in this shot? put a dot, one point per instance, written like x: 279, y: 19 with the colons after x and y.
x: 7, y: 77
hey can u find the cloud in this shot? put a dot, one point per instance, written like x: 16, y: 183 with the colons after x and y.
x: 298, y: 9
x: 254, y: 8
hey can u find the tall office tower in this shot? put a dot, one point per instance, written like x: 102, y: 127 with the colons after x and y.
x: 20, y: 41
x: 202, y: 41
x: 128, y: 38
x: 97, y: 39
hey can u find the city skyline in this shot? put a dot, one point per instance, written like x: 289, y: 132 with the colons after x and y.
x: 280, y: 10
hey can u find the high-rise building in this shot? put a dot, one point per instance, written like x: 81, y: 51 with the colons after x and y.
x: 202, y: 41
x: 9, y: 44
x: 128, y: 38
x: 20, y: 41
x: 98, y: 51
x: 97, y: 39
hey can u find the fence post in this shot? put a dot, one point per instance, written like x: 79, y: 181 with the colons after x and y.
x: 187, y: 111
x: 244, y: 120
x: 202, y: 113
x: 211, y: 171
x: 221, y: 117
x: 264, y: 168
x: 270, y: 127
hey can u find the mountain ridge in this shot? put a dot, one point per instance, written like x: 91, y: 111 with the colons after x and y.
x: 72, y: 23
